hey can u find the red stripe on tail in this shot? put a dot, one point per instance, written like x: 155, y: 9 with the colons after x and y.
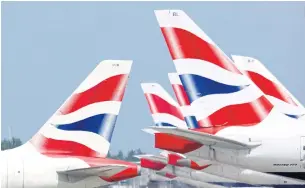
x: 270, y: 88
x: 183, y: 44
x: 238, y: 115
x: 49, y: 146
x: 159, y: 105
x: 181, y: 95
x: 111, y: 89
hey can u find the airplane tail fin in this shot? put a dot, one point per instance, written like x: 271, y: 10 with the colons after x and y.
x: 164, y: 109
x: 183, y: 101
x: 84, y: 124
x: 277, y: 94
x: 218, y: 92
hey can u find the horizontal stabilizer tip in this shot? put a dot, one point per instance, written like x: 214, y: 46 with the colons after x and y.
x: 104, y: 171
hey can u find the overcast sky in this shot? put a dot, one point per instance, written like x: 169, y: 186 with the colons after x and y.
x: 48, y: 48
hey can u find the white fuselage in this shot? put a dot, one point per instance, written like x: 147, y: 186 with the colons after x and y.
x: 281, y: 152
x: 282, y: 142
x: 24, y: 167
x: 227, y: 175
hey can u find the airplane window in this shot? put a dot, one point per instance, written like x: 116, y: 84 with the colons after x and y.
x: 303, y: 147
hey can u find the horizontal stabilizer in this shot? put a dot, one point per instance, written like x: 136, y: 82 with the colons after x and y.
x: 149, y: 131
x: 143, y: 156
x: 155, y: 158
x: 206, y: 139
x: 104, y: 171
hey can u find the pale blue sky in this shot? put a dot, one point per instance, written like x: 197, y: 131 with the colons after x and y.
x: 48, y: 48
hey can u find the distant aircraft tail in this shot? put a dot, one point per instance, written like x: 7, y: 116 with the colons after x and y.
x: 277, y: 94
x: 183, y: 101
x: 84, y: 124
x: 218, y: 92
x: 164, y: 109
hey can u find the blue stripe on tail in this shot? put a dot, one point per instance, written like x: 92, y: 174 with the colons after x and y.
x: 162, y: 124
x: 102, y: 124
x: 294, y: 116
x: 198, y: 86
x: 191, y: 122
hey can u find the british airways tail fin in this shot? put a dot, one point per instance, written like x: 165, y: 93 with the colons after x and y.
x: 84, y: 124
x: 277, y: 94
x: 183, y: 101
x: 218, y: 92
x: 164, y: 109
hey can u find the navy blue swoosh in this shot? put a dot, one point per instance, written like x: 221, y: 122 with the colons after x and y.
x: 102, y: 124
x: 198, y: 86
